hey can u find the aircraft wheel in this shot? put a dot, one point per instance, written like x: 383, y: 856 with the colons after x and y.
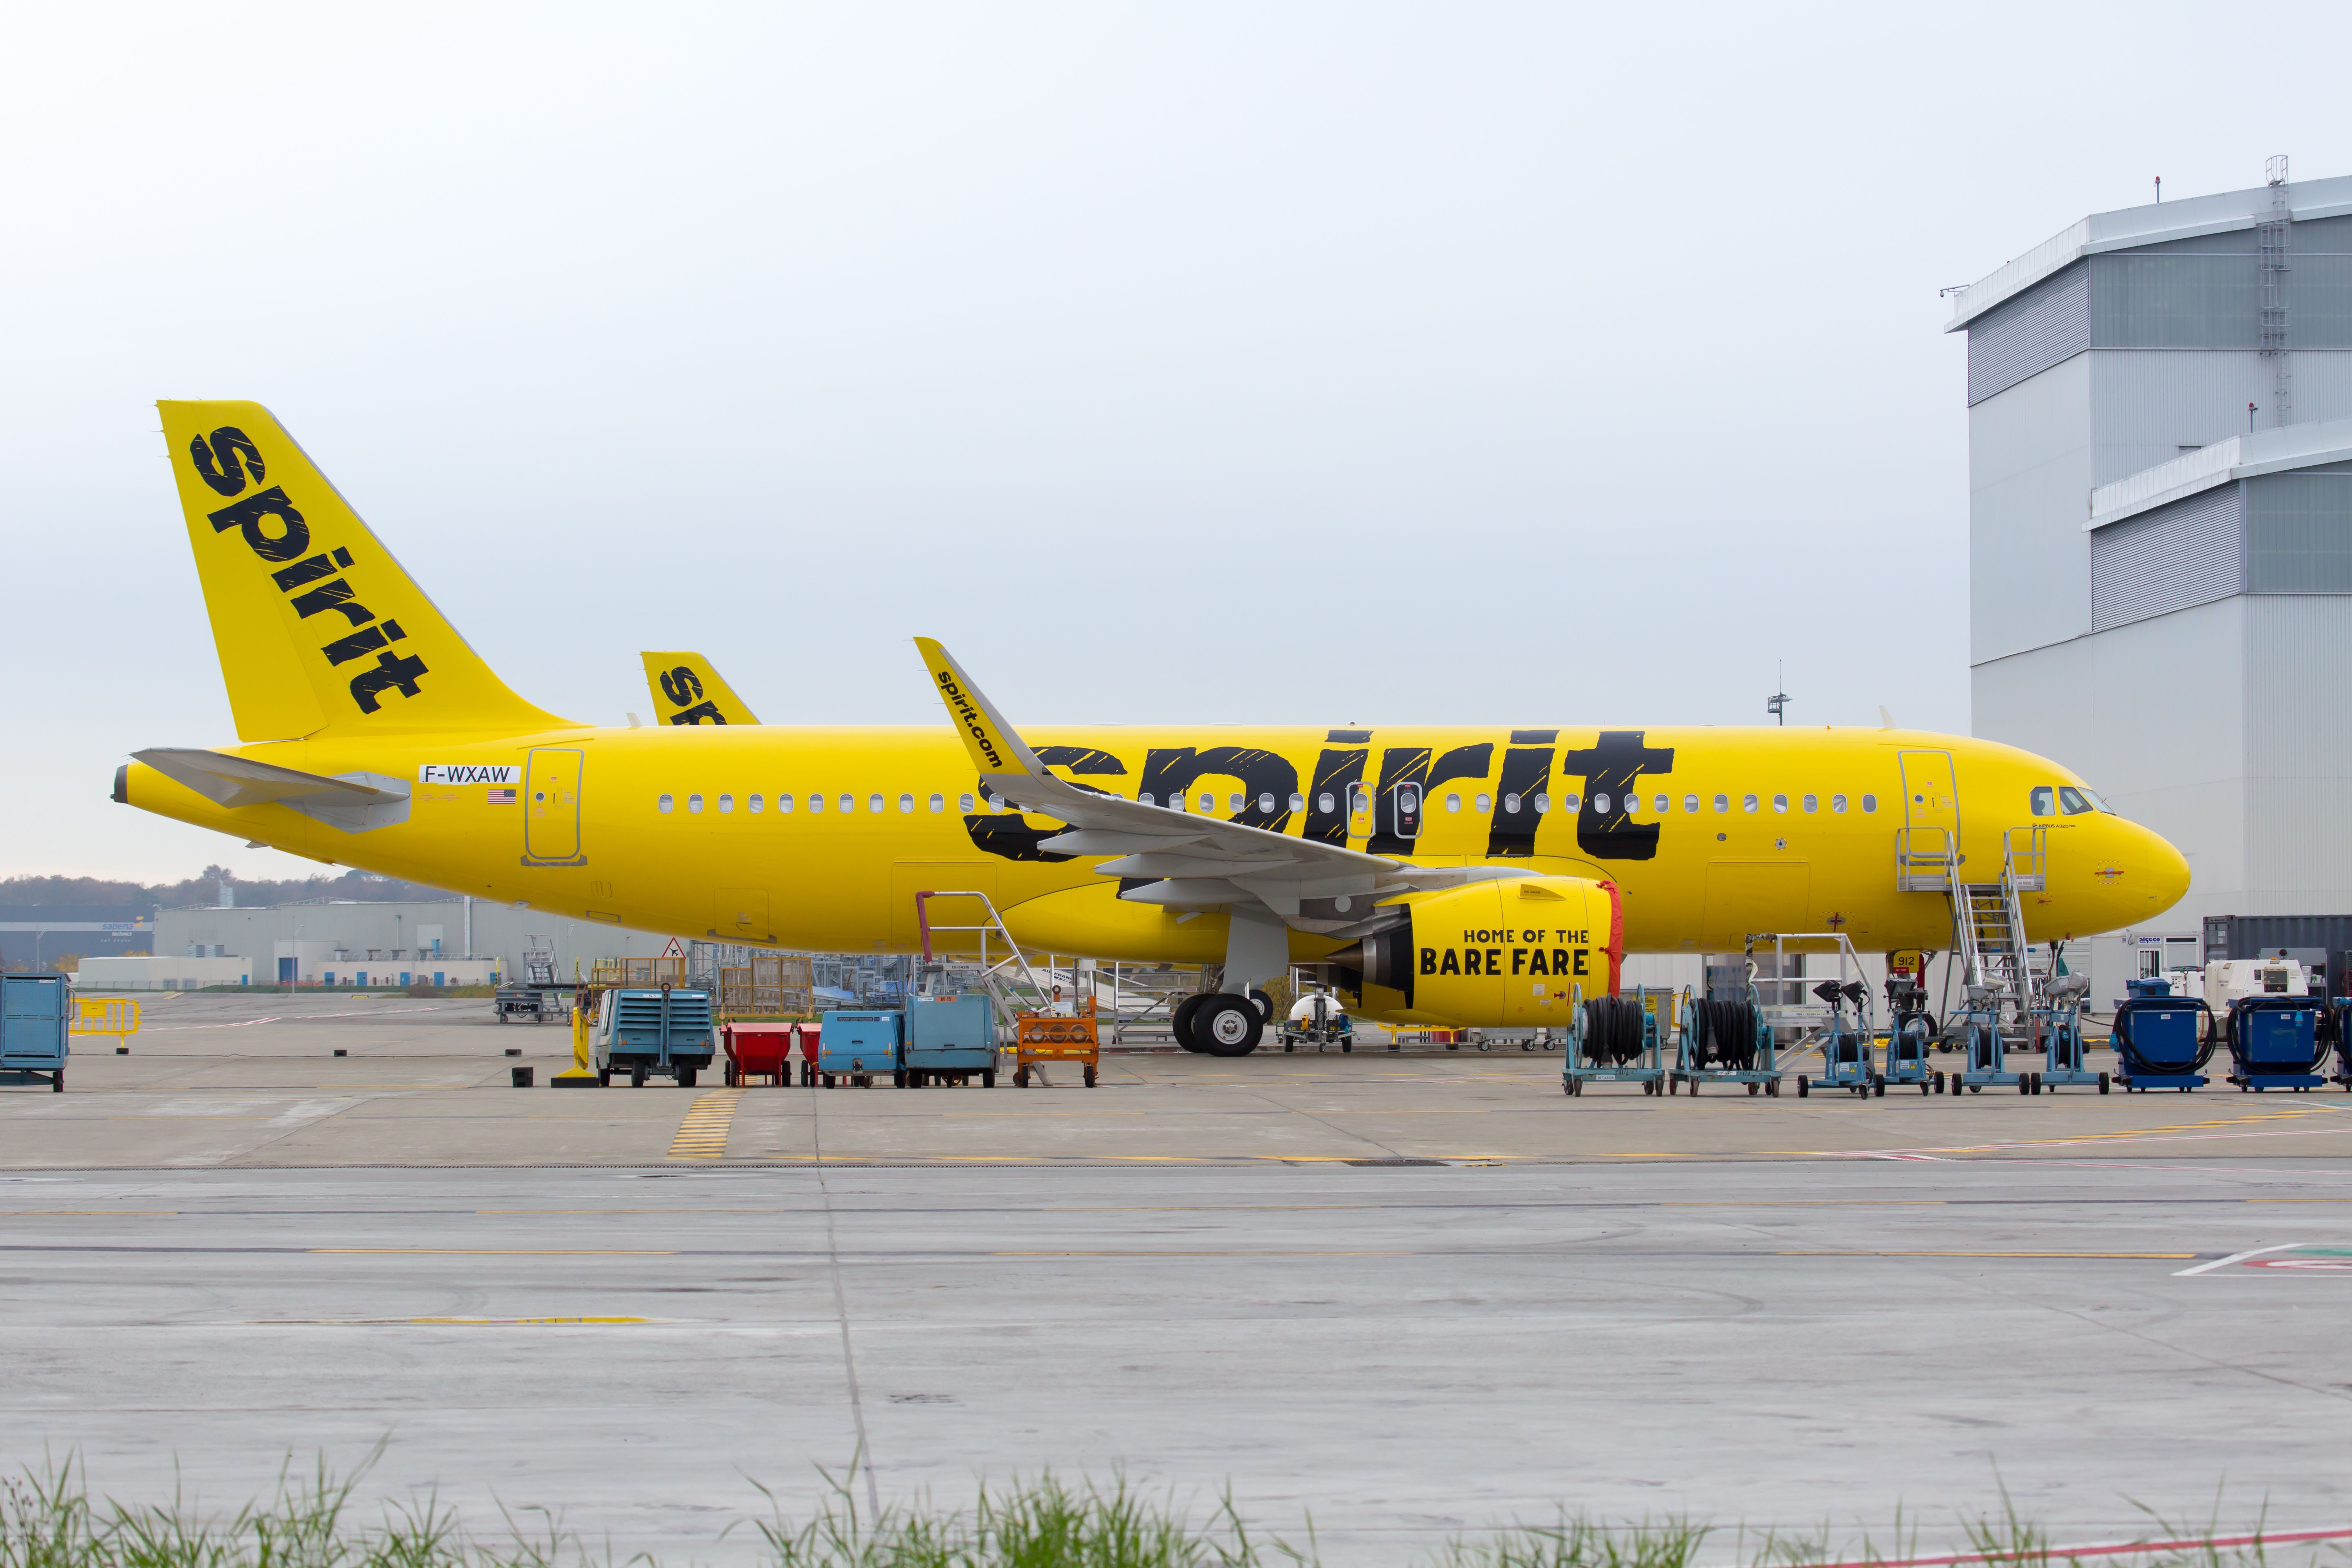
x: 1263, y: 1003
x: 1179, y: 1019
x: 1227, y: 1026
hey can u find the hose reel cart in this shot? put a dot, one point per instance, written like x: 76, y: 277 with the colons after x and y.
x: 1616, y: 1039
x: 1910, y: 1034
x: 1985, y: 1050
x: 1725, y: 1040
x: 2159, y: 1044
x: 1847, y: 1059
x: 2057, y: 1026
x: 2278, y: 1042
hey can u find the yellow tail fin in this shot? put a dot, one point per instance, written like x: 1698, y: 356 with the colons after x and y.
x: 687, y: 690
x: 318, y: 627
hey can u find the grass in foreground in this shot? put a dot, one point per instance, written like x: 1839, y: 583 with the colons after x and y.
x: 48, y: 1520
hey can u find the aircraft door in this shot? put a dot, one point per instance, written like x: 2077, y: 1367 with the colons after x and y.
x: 1407, y: 807
x: 551, y: 807
x: 1931, y: 797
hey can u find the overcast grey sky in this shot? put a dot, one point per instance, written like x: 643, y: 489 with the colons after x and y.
x: 1313, y: 363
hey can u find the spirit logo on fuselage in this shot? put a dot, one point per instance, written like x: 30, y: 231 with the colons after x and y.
x: 1609, y: 770
x: 313, y: 582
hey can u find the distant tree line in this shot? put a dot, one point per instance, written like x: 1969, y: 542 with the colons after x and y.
x: 205, y: 890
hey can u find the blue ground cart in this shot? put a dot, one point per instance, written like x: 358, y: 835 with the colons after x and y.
x: 646, y: 1033
x: 859, y: 1046
x: 2276, y: 1042
x: 1616, y: 1039
x: 35, y: 1015
x: 2162, y: 1042
x: 950, y: 1039
x: 1847, y: 1061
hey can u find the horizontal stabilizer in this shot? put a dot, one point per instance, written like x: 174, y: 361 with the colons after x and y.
x: 354, y: 802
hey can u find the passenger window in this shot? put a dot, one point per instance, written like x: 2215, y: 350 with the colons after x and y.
x: 1812, y: 802
x: 1632, y: 803
x: 1175, y: 801
x: 1722, y: 804
x: 1601, y: 803
x: 1485, y: 804
x: 1209, y: 802
x: 2072, y: 800
x: 1323, y: 802
x: 1453, y: 802
x: 756, y: 805
x: 995, y: 801
x: 1571, y: 801
x: 1543, y: 804
x: 726, y: 804
x: 1780, y: 804
x: 1235, y: 803
x: 816, y: 803
x: 1266, y: 802
x: 1690, y: 804
x: 939, y: 803
x: 906, y: 802
x: 1869, y: 802
x: 783, y: 803
x: 873, y: 804
x: 1665, y: 803
x: 965, y: 803
x: 666, y: 802
x: 1511, y: 804
x: 694, y: 803
x: 1749, y: 802
x: 1298, y: 802
x: 1837, y: 803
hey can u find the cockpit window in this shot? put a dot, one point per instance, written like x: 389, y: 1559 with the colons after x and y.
x: 2045, y: 800
x: 2078, y: 801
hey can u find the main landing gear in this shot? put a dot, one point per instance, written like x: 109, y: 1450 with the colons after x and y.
x: 1220, y: 1025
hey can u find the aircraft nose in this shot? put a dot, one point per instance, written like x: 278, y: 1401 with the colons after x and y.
x: 2155, y: 874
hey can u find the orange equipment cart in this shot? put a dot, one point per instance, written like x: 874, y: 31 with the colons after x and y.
x: 1056, y: 1038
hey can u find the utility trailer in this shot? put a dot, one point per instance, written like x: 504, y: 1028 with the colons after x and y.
x: 36, y: 1017
x: 644, y: 1033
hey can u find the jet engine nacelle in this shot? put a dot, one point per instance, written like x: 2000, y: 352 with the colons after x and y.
x: 1499, y: 954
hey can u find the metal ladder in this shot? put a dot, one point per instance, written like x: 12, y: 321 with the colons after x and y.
x: 1989, y: 926
x: 998, y: 977
x: 1988, y: 921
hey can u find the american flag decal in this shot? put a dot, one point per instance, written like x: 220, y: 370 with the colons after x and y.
x: 502, y: 797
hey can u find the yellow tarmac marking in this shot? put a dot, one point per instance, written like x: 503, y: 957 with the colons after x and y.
x: 2172, y: 1256
x: 1107, y: 1252
x: 496, y: 1251
x: 703, y: 1134
x: 445, y: 1322
x: 2126, y: 1135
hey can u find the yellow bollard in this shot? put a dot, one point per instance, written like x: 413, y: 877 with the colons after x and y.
x: 580, y: 1075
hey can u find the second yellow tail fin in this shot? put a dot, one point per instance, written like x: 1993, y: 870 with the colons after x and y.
x: 318, y: 627
x: 688, y: 690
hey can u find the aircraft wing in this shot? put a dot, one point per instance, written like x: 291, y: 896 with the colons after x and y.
x: 1187, y: 858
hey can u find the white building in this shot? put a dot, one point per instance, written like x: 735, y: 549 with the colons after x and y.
x: 305, y: 943
x: 2160, y: 533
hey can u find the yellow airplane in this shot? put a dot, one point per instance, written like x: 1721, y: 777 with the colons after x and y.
x: 1460, y: 876
x: 688, y: 690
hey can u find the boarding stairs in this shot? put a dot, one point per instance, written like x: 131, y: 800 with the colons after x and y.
x: 1987, y: 918
x: 1003, y: 976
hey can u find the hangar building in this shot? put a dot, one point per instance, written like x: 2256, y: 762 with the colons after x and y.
x: 2160, y: 535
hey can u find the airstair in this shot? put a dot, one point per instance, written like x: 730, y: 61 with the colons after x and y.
x: 1003, y: 977
x: 1988, y: 919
